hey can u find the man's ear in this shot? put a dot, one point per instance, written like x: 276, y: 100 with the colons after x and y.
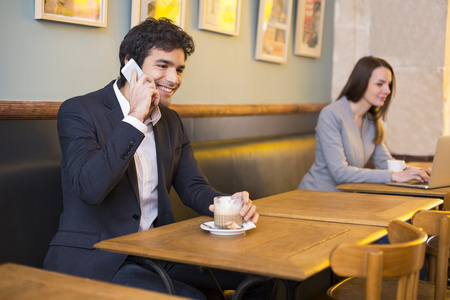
x: 126, y: 59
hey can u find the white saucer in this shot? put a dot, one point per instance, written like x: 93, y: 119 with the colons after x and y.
x: 219, y: 231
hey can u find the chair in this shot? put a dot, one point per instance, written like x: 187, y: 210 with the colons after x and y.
x: 437, y: 224
x: 367, y: 265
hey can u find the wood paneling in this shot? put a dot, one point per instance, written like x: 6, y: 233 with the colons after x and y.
x: 37, y: 110
x: 28, y: 110
x: 199, y: 111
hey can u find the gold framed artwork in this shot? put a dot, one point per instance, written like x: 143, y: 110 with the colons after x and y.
x: 274, y: 22
x: 221, y: 16
x: 171, y: 9
x: 309, y: 28
x: 84, y: 12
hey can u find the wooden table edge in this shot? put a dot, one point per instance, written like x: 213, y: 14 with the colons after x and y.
x: 400, y: 191
x: 405, y: 217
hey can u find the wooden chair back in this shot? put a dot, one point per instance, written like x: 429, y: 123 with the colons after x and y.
x: 402, y: 258
x: 437, y: 223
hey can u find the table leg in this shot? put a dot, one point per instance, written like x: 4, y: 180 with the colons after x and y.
x: 246, y: 283
x: 239, y: 292
x: 216, y: 284
x: 290, y: 293
x: 163, y: 274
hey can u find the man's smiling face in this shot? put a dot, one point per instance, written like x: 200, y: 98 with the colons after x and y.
x: 166, y: 68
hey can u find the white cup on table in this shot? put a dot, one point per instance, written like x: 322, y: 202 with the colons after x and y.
x: 396, y: 165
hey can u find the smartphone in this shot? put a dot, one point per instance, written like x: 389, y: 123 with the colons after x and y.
x: 128, y: 68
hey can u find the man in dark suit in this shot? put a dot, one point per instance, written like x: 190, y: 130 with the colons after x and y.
x: 122, y: 151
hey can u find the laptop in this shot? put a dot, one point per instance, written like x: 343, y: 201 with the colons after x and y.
x: 440, y: 173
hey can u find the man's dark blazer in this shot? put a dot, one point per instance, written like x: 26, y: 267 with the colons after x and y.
x: 99, y: 181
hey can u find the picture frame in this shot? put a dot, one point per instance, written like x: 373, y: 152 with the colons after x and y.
x: 171, y: 9
x: 309, y: 28
x: 274, y: 23
x: 93, y: 13
x: 222, y: 16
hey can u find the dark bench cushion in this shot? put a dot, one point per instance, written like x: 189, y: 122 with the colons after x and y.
x: 30, y: 202
x: 30, y: 189
x: 263, y: 167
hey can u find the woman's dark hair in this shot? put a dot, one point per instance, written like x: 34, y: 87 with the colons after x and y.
x: 160, y: 33
x: 357, y: 84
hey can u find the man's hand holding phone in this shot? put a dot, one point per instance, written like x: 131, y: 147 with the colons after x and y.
x: 142, y: 92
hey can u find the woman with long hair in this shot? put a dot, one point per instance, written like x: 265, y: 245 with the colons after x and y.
x: 349, y: 132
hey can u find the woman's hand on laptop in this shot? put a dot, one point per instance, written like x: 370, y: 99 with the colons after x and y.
x: 411, y: 174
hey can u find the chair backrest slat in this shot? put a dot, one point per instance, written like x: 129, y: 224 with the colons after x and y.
x: 374, y: 278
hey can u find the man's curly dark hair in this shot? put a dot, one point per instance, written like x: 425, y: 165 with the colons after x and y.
x: 160, y: 33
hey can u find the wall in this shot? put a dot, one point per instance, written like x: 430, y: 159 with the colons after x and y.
x: 446, y: 71
x: 411, y: 35
x: 45, y: 60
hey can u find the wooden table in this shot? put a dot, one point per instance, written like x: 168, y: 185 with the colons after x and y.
x: 420, y: 164
x: 279, y: 247
x: 353, y: 208
x: 379, y: 188
x: 19, y: 282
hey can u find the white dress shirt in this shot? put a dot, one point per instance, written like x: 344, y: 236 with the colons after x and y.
x: 145, y: 159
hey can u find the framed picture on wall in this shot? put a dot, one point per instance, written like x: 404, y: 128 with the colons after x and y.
x: 220, y: 16
x: 90, y: 13
x: 309, y: 27
x: 171, y: 9
x: 274, y: 22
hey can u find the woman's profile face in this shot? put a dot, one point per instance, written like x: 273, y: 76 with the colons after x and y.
x: 378, y: 87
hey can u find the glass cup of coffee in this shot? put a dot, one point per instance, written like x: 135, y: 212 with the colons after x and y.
x: 226, y: 211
